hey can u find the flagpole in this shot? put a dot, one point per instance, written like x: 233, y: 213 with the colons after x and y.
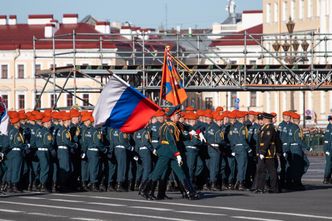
x: 118, y: 78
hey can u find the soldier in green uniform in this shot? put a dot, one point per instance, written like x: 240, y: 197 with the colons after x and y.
x: 328, y: 152
x: 169, y: 154
x: 297, y: 147
x: 15, y: 156
x: 267, y: 153
x: 144, y: 148
x: 4, y: 147
x: 120, y: 145
x: 240, y: 148
x: 194, y: 163
x: 111, y: 161
x: 95, y: 147
x: 214, y: 139
x: 65, y: 144
x: 84, y: 148
x: 44, y: 143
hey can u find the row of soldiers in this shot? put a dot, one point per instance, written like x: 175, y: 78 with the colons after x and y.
x: 192, y: 149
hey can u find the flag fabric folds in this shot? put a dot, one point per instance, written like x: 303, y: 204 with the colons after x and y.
x: 121, y: 106
x: 171, y: 89
x: 4, y: 118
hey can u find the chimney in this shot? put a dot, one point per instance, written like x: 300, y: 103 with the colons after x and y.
x: 70, y: 18
x: 103, y: 27
x: 50, y: 30
x: 3, y: 20
x: 39, y: 19
x: 12, y: 20
x: 55, y: 23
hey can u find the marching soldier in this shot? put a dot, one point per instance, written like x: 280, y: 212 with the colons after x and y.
x: 213, y: 138
x: 15, y: 156
x: 120, y: 142
x: 240, y: 148
x: 194, y: 162
x: 144, y: 148
x: 168, y: 154
x: 84, y: 148
x: 267, y: 153
x: 44, y: 143
x: 65, y: 144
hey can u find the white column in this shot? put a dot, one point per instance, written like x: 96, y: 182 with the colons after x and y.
x: 322, y: 102
x: 300, y: 108
x: 309, y: 99
x: 268, y: 102
x: 284, y: 101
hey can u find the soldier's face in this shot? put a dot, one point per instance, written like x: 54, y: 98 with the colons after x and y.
x: 87, y: 123
x: 296, y: 121
x: 208, y: 120
x: 286, y: 118
x: 161, y: 119
x: 251, y: 118
x: 47, y: 124
x: 153, y: 120
x: 75, y: 120
x: 192, y: 122
x: 274, y: 120
x: 226, y: 120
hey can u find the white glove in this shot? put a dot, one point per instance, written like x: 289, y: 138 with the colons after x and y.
x: 132, y: 148
x: 28, y: 145
x: 201, y: 137
x: 193, y: 133
x: 261, y: 156
x: 2, y: 155
x: 155, y: 152
x: 327, y: 153
x: 136, y: 158
x: 233, y: 154
x: 250, y: 150
x: 285, y: 155
x: 179, y: 159
x: 83, y: 156
x: 311, y: 149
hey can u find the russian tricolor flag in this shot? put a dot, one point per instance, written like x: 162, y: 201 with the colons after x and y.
x: 121, y: 106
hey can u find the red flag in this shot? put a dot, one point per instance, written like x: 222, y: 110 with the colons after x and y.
x: 171, y: 89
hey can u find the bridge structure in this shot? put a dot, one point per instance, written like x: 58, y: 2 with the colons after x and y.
x: 138, y: 60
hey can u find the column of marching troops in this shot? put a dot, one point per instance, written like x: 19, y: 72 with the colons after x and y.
x: 184, y: 151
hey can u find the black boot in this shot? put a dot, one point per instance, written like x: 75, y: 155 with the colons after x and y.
x: 15, y: 189
x: 152, y: 190
x: 102, y: 187
x: 162, y: 190
x: 326, y: 181
x: 137, y: 186
x: 84, y: 187
x: 170, y: 187
x: 214, y: 187
x: 191, y: 193
x: 132, y: 185
x: 241, y: 186
x: 43, y: 188
x: 120, y: 187
x: 145, y: 189
x: 94, y: 188
x: 110, y: 188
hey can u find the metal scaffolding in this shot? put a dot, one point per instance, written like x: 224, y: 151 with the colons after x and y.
x: 253, y: 63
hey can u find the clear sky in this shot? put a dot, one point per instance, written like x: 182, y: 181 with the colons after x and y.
x: 146, y: 13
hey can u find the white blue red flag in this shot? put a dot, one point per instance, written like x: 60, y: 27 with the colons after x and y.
x: 121, y: 106
x: 4, y: 118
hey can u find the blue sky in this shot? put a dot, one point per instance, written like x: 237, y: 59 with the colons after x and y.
x: 146, y: 13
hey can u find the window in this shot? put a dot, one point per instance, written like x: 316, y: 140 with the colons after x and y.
x: 276, y: 12
x: 233, y: 98
x: 51, y: 66
x: 252, y: 61
x: 292, y: 6
x: 38, y: 101
x: 85, y: 100
x: 301, y: 7
x: 69, y: 100
x: 284, y: 10
x: 253, y: 99
x: 53, y: 99
x: 310, y: 7
x: 268, y: 13
x: 4, y: 71
x: 20, y: 69
x: 37, y: 67
x: 5, y: 99
x: 21, y: 101
x: 208, y: 103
